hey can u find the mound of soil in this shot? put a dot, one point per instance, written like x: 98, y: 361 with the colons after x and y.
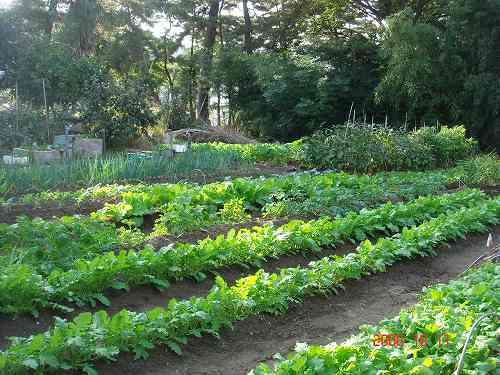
x: 212, y: 135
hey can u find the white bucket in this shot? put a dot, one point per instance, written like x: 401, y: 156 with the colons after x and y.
x: 180, y: 148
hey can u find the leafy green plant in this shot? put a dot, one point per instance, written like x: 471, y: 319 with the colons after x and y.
x: 274, y: 153
x: 448, y: 145
x: 88, y: 172
x: 306, y: 193
x: 368, y: 149
x: 92, y: 337
x: 234, y: 211
x: 49, y: 245
x: 446, y: 309
x: 88, y: 279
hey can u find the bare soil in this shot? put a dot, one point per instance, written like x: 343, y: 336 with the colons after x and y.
x: 318, y: 320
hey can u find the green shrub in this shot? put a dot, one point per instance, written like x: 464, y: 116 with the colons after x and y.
x: 482, y: 170
x: 448, y: 144
x: 369, y: 149
x: 365, y: 149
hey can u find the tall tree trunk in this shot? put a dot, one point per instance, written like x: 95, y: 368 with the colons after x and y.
x: 248, y: 29
x: 192, y: 112
x: 219, y: 88
x: 83, y: 22
x: 419, y: 9
x: 51, y: 16
x: 206, y: 63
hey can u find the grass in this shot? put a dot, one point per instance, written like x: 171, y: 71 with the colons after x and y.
x: 88, y: 172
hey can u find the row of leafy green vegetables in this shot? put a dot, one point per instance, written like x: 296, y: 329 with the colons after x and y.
x: 88, y: 338
x: 113, y: 191
x: 183, y: 208
x: 57, y: 244
x: 480, y: 170
x: 275, y: 153
x: 445, y: 310
x: 26, y: 287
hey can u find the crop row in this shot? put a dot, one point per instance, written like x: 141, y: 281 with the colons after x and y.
x: 185, y: 207
x: 57, y: 244
x: 89, y: 172
x: 47, y: 245
x: 274, y: 153
x: 22, y: 289
x: 92, y: 337
x: 442, y: 320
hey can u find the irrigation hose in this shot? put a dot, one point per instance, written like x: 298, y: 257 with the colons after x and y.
x: 460, y: 364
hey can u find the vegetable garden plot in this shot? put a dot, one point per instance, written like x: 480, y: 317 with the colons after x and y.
x: 425, y: 339
x: 187, y: 208
x: 90, y: 337
x: 57, y: 244
x: 318, y: 320
x: 88, y: 172
x: 70, y: 238
x: 24, y: 288
x: 48, y: 204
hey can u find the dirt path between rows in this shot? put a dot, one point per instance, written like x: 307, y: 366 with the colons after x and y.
x: 318, y: 320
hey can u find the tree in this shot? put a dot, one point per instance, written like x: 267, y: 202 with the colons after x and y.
x: 446, y: 69
x: 248, y: 47
x: 206, y: 62
x: 80, y: 24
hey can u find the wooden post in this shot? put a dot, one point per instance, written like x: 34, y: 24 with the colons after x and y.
x: 171, y: 141
x: 46, y: 110
x: 17, y: 111
x: 103, y: 141
x: 17, y: 120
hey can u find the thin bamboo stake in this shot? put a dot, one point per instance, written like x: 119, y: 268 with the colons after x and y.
x: 46, y: 110
x: 346, y: 128
x: 17, y: 106
x: 350, y: 111
x: 17, y: 117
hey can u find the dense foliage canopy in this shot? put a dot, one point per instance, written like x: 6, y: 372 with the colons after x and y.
x: 277, y: 70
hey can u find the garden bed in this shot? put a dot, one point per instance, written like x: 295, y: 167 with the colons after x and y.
x: 318, y: 320
x: 57, y: 208
x: 115, y: 281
